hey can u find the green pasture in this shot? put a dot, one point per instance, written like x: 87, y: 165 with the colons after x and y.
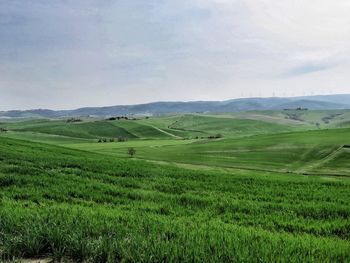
x: 307, y: 152
x: 86, y: 207
x: 44, y: 137
x: 273, y: 187
x: 173, y: 127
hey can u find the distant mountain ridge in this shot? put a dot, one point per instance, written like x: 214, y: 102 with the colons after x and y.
x: 318, y: 102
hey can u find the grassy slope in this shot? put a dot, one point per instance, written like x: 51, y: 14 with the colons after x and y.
x: 87, y: 206
x: 44, y: 137
x: 326, y: 118
x: 278, y: 117
x: 120, y: 148
x: 187, y: 126
x: 229, y: 127
x: 305, y: 152
x: 311, y: 151
x: 140, y: 130
x: 304, y: 119
x: 89, y: 129
x: 86, y: 130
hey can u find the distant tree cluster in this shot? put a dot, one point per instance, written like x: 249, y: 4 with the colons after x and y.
x: 71, y: 120
x: 3, y: 130
x: 299, y: 108
x: 119, y: 139
x: 119, y: 118
x: 216, y: 136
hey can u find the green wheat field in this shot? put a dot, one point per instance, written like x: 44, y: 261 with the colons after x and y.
x: 240, y: 187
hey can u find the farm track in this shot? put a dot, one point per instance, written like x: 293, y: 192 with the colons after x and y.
x: 241, y: 168
x: 318, y: 163
x: 165, y: 132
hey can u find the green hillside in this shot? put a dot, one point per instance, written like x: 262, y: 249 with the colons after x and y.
x: 297, y: 118
x: 175, y: 127
x: 44, y: 137
x: 88, y: 129
x: 229, y: 127
x: 325, y: 118
x: 62, y: 203
x: 142, y: 131
x: 303, y: 152
x: 191, y: 125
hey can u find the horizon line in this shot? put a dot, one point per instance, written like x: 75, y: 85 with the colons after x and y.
x: 177, y: 101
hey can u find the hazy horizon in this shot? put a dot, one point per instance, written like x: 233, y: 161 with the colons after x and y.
x: 72, y: 54
x: 170, y: 101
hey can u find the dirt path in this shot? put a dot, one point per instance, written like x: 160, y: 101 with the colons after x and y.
x: 165, y: 132
x: 318, y: 163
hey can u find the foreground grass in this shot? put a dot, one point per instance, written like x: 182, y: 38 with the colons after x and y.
x: 88, y: 207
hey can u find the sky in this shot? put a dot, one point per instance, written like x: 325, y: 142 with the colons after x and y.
x: 65, y: 54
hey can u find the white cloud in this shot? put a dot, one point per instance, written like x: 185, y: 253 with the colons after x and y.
x: 314, y: 22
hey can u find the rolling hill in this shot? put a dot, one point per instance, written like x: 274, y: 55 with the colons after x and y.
x: 322, y: 152
x: 176, y: 127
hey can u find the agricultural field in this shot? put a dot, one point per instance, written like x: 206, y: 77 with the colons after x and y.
x: 174, y: 127
x: 239, y: 187
x: 309, y: 152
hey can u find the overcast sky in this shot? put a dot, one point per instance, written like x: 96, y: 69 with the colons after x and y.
x: 63, y: 54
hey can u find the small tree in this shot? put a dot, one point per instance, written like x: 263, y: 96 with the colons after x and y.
x: 131, y: 151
